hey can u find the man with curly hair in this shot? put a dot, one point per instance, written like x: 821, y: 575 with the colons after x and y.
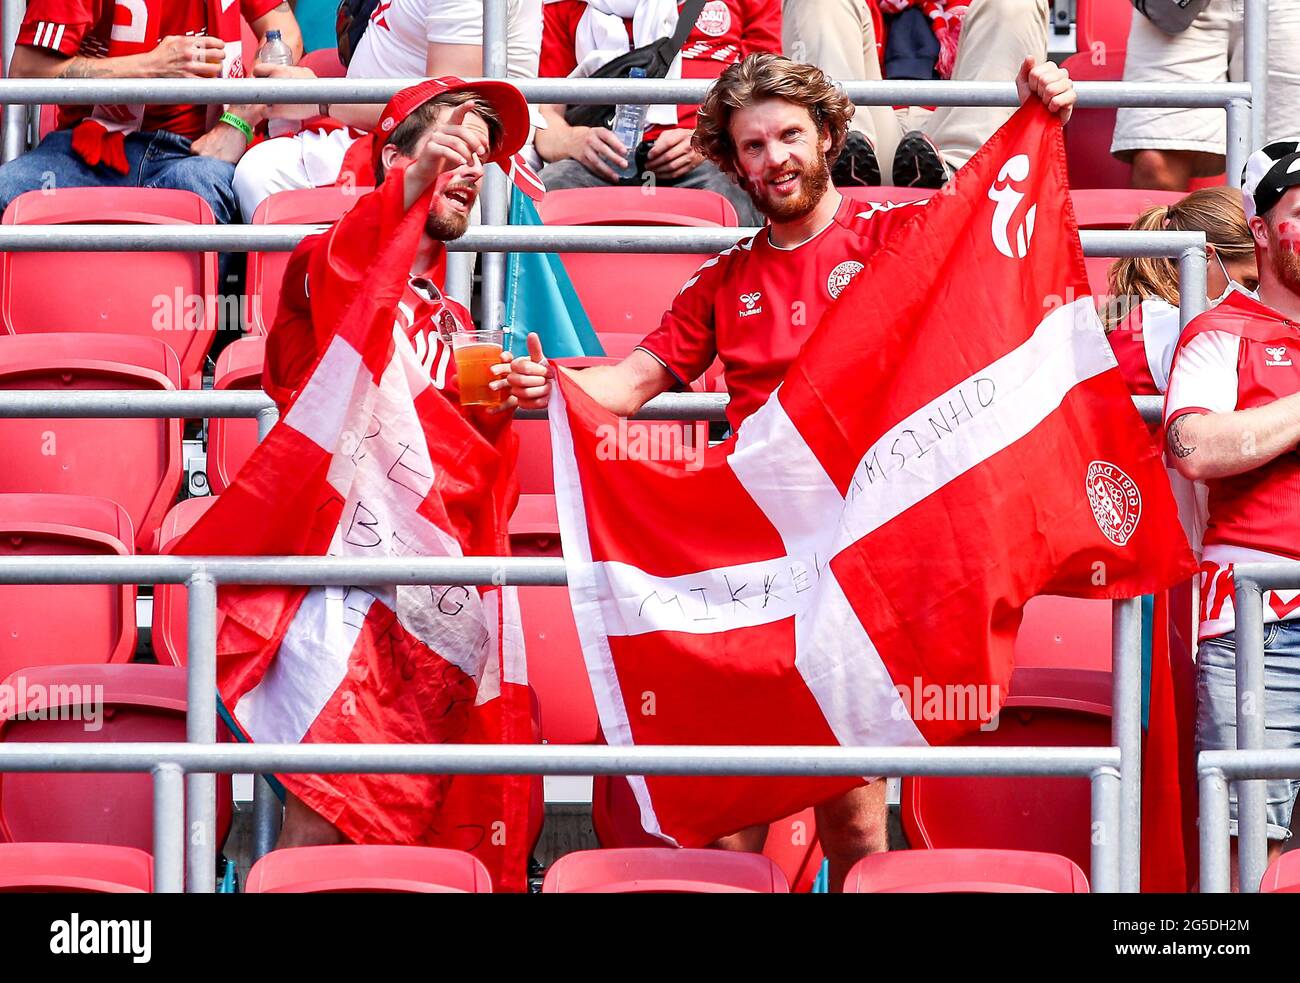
x: 776, y: 126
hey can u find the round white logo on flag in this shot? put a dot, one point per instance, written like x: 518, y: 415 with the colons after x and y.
x: 842, y: 276
x: 714, y: 19
x: 1115, y: 499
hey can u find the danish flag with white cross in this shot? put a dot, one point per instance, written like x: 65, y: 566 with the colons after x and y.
x: 953, y: 439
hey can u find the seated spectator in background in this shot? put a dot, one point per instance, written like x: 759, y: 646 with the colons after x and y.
x: 404, y: 39
x: 1141, y: 312
x: 1170, y: 147
x: 1232, y: 420
x: 579, y: 37
x: 986, y: 41
x: 778, y: 127
x: 190, y: 148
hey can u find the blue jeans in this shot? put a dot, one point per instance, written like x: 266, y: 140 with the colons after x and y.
x: 1216, y: 710
x: 157, y: 160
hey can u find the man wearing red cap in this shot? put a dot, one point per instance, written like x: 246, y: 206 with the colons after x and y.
x: 439, y: 133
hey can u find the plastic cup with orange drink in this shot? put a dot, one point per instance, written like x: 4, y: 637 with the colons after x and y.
x: 476, y: 352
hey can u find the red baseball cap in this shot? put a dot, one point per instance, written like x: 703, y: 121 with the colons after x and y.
x: 506, y: 101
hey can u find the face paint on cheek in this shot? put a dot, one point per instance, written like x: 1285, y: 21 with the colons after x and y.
x: 1288, y: 236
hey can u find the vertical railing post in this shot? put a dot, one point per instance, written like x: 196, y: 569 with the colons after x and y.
x: 1213, y: 824
x: 1255, y: 52
x: 496, y: 187
x: 266, y: 805
x: 15, y: 117
x: 201, y: 728
x: 1191, y: 284
x: 1105, y: 859
x: 1238, y: 148
x: 1126, y: 734
x: 168, y: 829
x: 1252, y: 800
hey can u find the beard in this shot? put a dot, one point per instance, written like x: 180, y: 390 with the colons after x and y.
x: 445, y: 227
x: 814, y: 181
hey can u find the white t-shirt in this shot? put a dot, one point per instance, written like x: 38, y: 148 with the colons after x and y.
x: 396, y: 41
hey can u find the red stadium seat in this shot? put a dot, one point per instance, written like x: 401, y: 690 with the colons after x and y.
x: 1065, y: 633
x: 1046, y: 708
x: 1104, y: 22
x: 1283, y: 875
x: 1088, y: 134
x: 311, y: 206
x: 170, y: 629
x: 556, y: 670
x: 165, y: 295
x: 325, y: 62
x: 135, y: 703
x: 791, y: 843
x: 659, y: 275
x: 74, y: 868
x: 965, y: 872
x: 1112, y: 208
x: 661, y: 870
x: 231, y: 441
x: 86, y: 457
x: 367, y: 869
x: 51, y: 625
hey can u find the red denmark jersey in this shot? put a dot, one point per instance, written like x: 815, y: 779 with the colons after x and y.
x: 754, y: 305
x: 1238, y: 355
x: 82, y: 27
x: 724, y: 33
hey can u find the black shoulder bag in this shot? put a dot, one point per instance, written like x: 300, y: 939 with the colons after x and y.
x: 655, y: 58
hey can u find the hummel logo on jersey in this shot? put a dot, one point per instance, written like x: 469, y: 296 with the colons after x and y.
x: 750, y: 301
x: 1276, y: 356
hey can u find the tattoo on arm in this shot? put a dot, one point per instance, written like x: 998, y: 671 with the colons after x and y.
x: 82, y: 68
x: 1175, y: 439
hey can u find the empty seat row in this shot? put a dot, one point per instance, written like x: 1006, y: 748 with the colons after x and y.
x: 406, y: 869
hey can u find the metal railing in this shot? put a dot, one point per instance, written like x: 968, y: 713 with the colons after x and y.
x: 1250, y: 764
x: 169, y: 763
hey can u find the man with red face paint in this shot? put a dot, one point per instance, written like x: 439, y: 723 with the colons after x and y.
x: 777, y: 126
x: 1232, y: 420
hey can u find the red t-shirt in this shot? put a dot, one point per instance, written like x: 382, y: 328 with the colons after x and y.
x: 724, y: 33
x: 82, y: 27
x: 754, y: 305
x: 1238, y: 355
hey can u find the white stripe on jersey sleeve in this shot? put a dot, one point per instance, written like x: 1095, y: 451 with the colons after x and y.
x: 714, y: 260
x: 1205, y: 374
x: 58, y: 38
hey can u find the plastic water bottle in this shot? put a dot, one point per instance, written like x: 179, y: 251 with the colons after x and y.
x: 274, y: 51
x: 629, y: 125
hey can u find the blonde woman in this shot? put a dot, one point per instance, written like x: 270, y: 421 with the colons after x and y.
x: 1141, y: 312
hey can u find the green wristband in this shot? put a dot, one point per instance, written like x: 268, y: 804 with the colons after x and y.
x: 239, y: 124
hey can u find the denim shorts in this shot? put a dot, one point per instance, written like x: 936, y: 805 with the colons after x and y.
x: 1216, y: 710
